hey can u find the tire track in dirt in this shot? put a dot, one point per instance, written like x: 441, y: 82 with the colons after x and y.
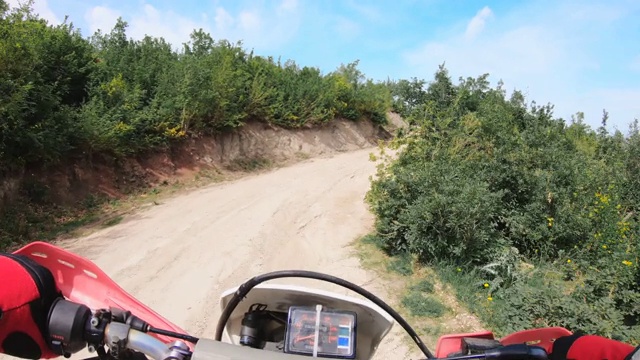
x: 178, y: 257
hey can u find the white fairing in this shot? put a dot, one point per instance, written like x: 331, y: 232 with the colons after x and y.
x: 373, y: 323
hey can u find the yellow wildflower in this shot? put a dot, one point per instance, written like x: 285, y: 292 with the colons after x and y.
x: 627, y: 262
x: 490, y: 298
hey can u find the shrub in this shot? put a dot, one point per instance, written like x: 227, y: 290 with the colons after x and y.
x: 66, y: 98
x: 541, y: 215
x: 67, y: 95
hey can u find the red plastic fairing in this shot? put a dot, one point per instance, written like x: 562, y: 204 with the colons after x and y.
x: 83, y: 282
x: 449, y: 344
x: 543, y: 337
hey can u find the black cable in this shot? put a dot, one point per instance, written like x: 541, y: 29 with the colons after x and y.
x: 277, y: 318
x: 185, y: 337
x: 244, y: 289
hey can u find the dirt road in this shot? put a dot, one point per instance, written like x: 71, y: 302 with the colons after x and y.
x: 179, y: 256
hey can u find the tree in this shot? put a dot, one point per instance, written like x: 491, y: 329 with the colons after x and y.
x: 441, y: 91
x: 43, y: 72
x: 4, y: 8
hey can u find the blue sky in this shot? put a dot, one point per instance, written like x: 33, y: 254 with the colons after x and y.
x: 578, y: 55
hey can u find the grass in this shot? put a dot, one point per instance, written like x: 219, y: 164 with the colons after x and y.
x: 421, y: 305
x: 214, y: 175
x: 401, y: 264
x: 70, y: 226
x: 460, y: 282
x: 25, y: 222
x: 302, y: 155
x: 113, y: 221
x: 424, y: 298
x: 423, y: 286
x: 250, y: 164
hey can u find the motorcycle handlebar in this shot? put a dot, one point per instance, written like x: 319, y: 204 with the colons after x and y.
x: 145, y: 343
x: 72, y: 327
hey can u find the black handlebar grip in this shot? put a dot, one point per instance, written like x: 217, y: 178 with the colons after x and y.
x: 517, y: 352
x: 66, y: 326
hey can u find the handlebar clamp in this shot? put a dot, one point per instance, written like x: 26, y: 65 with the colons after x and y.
x: 178, y: 350
x: 116, y: 336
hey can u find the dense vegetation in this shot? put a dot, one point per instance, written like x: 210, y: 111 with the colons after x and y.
x: 532, y: 219
x: 62, y: 95
x: 539, y: 215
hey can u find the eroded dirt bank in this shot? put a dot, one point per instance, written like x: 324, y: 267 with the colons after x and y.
x: 68, y: 184
x: 178, y: 257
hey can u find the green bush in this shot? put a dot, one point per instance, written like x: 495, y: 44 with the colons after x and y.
x: 540, y: 214
x: 43, y: 76
x: 64, y: 97
x: 67, y: 96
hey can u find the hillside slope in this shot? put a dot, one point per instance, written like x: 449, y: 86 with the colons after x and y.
x: 41, y: 196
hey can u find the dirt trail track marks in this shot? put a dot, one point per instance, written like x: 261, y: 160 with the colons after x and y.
x: 178, y: 257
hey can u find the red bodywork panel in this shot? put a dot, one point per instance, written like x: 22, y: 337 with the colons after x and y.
x: 82, y: 281
x: 543, y: 337
x: 448, y: 344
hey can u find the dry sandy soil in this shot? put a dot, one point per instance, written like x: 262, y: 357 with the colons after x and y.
x: 179, y: 256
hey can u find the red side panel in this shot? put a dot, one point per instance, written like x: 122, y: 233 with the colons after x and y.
x: 17, y: 322
x: 543, y: 337
x: 83, y: 282
x: 453, y: 343
x: 592, y: 347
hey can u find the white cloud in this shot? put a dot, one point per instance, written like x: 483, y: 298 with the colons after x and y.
x: 249, y: 21
x: 476, y: 25
x: 223, y: 20
x: 288, y: 6
x: 101, y: 18
x: 173, y: 27
x: 524, y: 52
x: 40, y: 7
x: 169, y: 25
x: 545, y: 54
x: 263, y: 28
